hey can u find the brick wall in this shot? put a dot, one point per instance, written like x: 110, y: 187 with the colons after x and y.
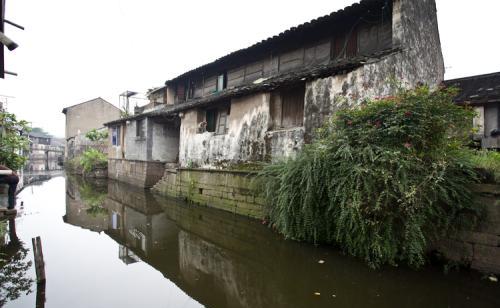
x: 227, y: 190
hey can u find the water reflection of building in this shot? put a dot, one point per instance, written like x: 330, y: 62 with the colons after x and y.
x: 45, y: 153
x: 222, y: 260
x: 84, y: 204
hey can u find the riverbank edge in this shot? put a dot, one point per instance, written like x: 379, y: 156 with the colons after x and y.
x: 235, y: 191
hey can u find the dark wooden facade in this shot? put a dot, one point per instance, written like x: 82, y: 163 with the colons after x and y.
x: 365, y: 31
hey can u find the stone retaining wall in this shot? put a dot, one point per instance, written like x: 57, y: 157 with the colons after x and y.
x: 140, y: 173
x: 233, y: 191
x: 480, y: 248
x: 223, y: 189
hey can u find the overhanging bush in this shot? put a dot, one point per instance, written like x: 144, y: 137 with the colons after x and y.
x: 92, y: 159
x: 380, y: 181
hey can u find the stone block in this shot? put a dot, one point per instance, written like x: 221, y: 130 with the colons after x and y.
x: 493, y: 189
x: 479, y: 238
x: 486, y: 258
x: 239, y: 198
x: 491, y: 224
x: 455, y: 250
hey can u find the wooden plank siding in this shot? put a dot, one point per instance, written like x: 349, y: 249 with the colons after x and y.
x: 287, y: 107
x: 365, y: 38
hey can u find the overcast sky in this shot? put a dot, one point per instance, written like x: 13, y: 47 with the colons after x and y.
x: 76, y: 50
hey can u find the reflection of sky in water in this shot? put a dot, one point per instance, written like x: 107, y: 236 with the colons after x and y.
x: 83, y: 268
x: 215, y: 257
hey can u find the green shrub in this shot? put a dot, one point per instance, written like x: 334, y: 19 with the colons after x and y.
x: 92, y: 159
x: 380, y: 181
x: 13, y: 141
x: 95, y: 135
x: 488, y: 160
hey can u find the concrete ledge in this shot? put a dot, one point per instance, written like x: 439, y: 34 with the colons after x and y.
x: 140, y: 173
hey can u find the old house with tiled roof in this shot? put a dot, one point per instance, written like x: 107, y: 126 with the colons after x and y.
x: 482, y: 92
x: 264, y: 102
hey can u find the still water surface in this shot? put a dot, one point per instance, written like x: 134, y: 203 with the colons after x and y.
x: 109, y: 244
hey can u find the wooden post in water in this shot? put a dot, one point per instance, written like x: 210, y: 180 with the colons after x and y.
x: 39, y: 263
x: 40, y: 295
x: 40, y: 272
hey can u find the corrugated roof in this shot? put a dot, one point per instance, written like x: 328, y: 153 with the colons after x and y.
x: 303, y: 29
x: 477, y: 90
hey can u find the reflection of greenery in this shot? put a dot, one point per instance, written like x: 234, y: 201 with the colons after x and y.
x: 93, y: 198
x: 13, y: 271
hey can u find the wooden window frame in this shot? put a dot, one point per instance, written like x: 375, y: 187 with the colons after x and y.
x: 291, y: 100
x: 216, y: 120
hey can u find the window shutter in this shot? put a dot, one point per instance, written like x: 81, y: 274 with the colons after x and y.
x: 222, y: 121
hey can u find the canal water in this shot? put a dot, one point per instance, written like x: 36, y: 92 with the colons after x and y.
x: 108, y: 244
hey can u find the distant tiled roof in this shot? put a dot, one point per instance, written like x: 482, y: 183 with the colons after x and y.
x: 304, y: 30
x: 293, y: 77
x: 477, y: 90
x: 39, y: 135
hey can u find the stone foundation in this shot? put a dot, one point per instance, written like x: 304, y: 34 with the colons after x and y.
x: 480, y: 248
x: 140, y: 173
x: 223, y: 189
x: 233, y: 191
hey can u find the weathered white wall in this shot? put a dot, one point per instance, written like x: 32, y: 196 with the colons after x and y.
x: 245, y: 141
x: 137, y: 148
x: 160, y: 142
x: 165, y: 147
x: 415, y: 30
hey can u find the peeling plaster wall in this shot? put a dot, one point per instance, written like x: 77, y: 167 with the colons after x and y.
x: 415, y: 30
x: 284, y: 143
x: 245, y: 141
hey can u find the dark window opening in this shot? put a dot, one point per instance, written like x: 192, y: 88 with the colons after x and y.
x: 180, y: 92
x: 211, y: 119
x: 221, y: 82
x: 139, y: 128
x: 215, y: 120
x: 191, y: 88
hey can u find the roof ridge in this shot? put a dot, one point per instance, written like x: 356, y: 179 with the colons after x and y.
x: 281, y: 35
x: 473, y: 77
x: 88, y: 101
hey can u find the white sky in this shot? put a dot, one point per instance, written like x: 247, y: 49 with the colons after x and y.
x: 76, y: 50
